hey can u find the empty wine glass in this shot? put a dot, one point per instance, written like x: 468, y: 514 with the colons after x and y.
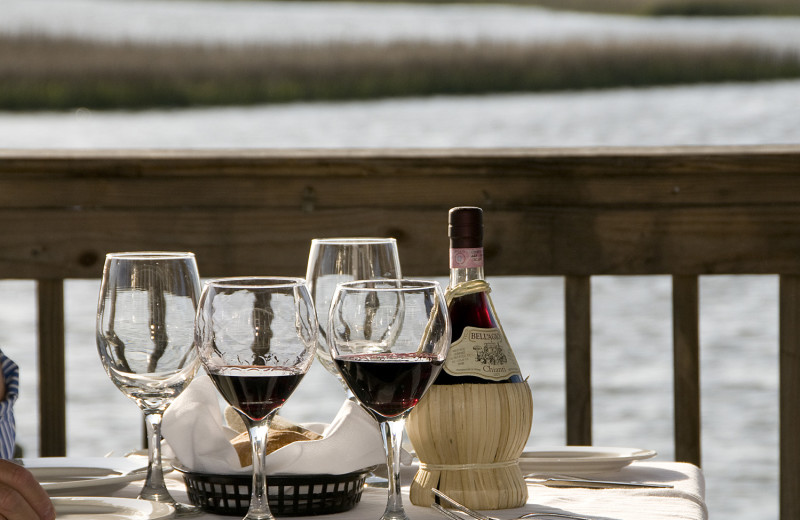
x: 335, y: 260
x: 389, y: 340
x: 144, y: 329
x: 256, y: 337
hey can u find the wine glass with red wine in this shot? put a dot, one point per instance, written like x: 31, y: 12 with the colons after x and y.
x: 145, y: 323
x: 389, y: 340
x: 332, y: 261
x: 256, y: 338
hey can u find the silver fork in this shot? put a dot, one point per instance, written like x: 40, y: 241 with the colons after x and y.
x: 571, y: 481
x: 480, y: 516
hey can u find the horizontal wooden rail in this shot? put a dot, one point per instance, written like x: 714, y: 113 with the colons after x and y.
x: 558, y: 212
x: 576, y: 213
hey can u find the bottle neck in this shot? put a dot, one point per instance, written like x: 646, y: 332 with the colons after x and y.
x: 458, y: 276
x: 466, y: 265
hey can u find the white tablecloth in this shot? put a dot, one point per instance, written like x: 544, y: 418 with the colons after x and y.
x: 685, y: 501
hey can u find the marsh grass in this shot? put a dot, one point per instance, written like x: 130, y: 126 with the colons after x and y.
x: 648, y: 7
x: 56, y: 74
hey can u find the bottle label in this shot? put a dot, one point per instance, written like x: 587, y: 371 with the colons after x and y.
x: 483, y: 353
x: 464, y: 258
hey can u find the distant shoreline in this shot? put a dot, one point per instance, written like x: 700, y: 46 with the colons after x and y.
x: 644, y: 7
x: 47, y: 73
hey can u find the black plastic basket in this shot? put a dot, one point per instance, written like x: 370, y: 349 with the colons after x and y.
x: 289, y: 495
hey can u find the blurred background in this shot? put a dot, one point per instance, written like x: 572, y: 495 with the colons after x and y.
x: 299, y: 74
x: 182, y: 73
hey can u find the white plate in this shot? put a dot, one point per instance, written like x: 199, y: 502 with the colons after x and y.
x: 74, y: 508
x: 94, y: 476
x: 580, y: 459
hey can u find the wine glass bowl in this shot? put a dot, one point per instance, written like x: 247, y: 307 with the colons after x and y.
x: 335, y: 260
x: 389, y: 340
x: 256, y: 338
x: 144, y: 332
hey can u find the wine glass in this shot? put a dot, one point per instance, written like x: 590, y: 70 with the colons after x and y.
x: 389, y: 340
x: 144, y: 329
x: 335, y: 260
x: 256, y: 337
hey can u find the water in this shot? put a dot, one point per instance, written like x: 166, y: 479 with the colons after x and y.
x: 632, y: 361
x: 758, y: 113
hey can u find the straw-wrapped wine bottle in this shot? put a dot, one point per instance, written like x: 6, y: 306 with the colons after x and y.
x: 471, y: 427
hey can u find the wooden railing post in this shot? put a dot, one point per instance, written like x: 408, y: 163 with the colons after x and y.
x: 52, y: 369
x: 789, y: 317
x: 578, y: 323
x: 686, y: 373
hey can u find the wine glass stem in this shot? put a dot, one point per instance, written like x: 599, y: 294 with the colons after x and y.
x: 259, y: 500
x: 154, y: 487
x: 392, y: 441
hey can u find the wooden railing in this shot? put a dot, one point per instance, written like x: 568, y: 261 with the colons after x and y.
x: 576, y: 213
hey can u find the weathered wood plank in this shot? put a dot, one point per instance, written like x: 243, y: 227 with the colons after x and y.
x: 661, y: 176
x: 686, y: 368
x: 53, y: 243
x: 582, y: 212
x: 52, y: 369
x: 789, y: 319
x: 578, y: 355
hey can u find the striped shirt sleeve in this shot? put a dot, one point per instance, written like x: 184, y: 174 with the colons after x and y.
x: 7, y: 424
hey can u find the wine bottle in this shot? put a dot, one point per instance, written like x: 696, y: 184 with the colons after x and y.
x: 472, y: 425
x: 479, y: 352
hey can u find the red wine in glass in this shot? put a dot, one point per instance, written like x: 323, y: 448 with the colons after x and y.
x: 255, y: 391
x: 389, y: 384
x: 389, y: 340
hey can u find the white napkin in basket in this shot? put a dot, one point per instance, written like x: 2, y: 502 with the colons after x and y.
x: 195, y: 429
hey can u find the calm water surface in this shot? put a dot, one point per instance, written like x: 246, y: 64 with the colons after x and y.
x: 631, y: 326
x: 757, y: 113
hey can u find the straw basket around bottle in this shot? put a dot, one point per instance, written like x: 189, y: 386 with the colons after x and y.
x: 469, y: 438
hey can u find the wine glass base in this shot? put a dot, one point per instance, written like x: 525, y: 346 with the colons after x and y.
x: 395, y: 515
x: 186, y: 510
x: 181, y: 510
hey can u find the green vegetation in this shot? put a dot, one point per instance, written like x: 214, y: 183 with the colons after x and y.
x: 647, y: 7
x: 677, y: 7
x: 56, y: 74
